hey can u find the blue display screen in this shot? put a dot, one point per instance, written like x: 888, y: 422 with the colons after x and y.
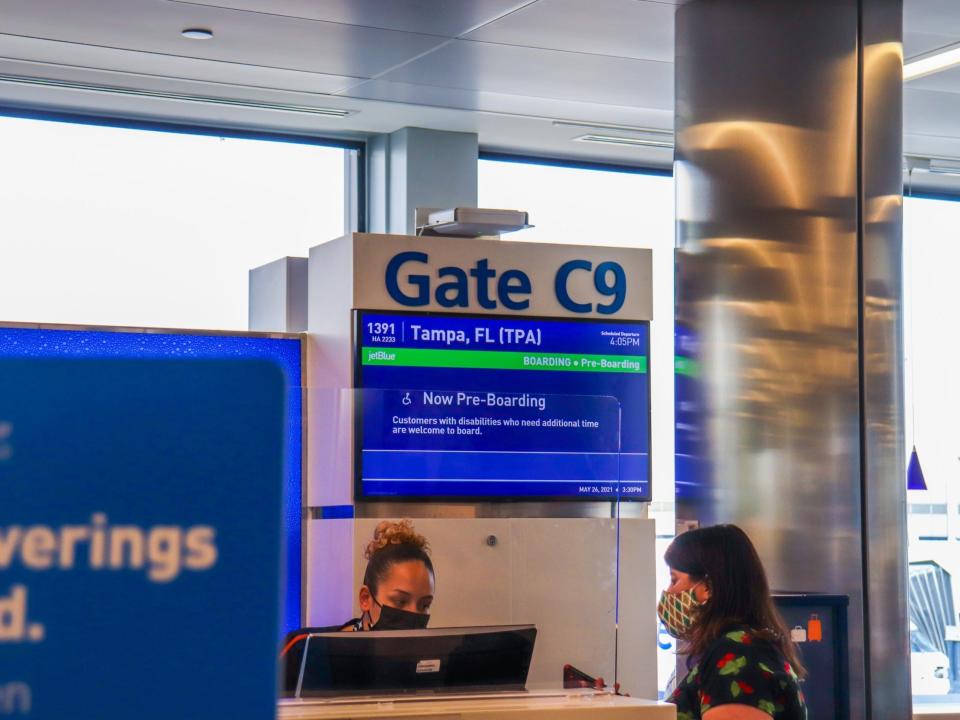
x: 501, y: 408
x: 16, y: 342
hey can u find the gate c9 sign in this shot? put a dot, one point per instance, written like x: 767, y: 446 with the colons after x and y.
x: 454, y: 275
x: 456, y: 287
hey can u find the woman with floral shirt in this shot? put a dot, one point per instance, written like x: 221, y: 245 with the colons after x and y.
x: 742, y: 664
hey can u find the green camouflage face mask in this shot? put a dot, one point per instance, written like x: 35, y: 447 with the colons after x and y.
x: 678, y: 611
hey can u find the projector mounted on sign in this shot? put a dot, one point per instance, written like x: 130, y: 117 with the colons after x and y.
x: 469, y: 222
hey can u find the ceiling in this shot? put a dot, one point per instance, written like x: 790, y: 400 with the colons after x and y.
x: 503, y: 68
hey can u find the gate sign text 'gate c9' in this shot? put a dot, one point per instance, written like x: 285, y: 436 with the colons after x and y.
x: 512, y: 288
x: 501, y: 277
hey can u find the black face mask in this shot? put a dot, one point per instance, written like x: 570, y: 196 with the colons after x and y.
x: 392, y: 618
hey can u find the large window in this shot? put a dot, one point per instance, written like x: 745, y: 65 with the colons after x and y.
x: 579, y: 205
x: 932, y: 389
x: 119, y: 226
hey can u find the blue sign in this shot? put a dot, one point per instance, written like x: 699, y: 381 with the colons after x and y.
x: 40, y: 343
x: 140, y: 533
x: 498, y: 408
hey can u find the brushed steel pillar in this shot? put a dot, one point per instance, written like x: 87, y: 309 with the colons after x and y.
x: 788, y: 174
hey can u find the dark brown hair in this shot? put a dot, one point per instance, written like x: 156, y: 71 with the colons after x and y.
x: 393, y: 542
x: 723, y: 557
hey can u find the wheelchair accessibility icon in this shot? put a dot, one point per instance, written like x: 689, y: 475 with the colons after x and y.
x: 407, y: 400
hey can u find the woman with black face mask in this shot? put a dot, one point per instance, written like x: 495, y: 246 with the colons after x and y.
x: 398, y: 584
x: 396, y: 593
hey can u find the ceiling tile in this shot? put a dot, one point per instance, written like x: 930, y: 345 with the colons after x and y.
x: 919, y: 43
x: 136, y: 88
x: 240, y: 37
x: 508, y: 69
x: 436, y: 17
x: 930, y: 146
x: 935, y: 17
x: 623, y: 28
x: 515, y: 105
x: 926, y: 112
x: 51, y: 58
x: 945, y: 81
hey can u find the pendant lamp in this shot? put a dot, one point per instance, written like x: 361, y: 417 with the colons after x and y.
x: 915, y: 479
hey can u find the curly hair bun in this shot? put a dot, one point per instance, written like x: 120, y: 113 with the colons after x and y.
x: 395, y: 532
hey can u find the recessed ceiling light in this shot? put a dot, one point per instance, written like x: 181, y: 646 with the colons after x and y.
x: 197, y: 33
x: 628, y: 141
x: 235, y: 102
x: 944, y: 166
x: 932, y: 62
x: 654, y: 132
x: 935, y: 165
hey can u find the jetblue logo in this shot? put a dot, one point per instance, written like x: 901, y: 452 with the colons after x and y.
x: 488, y: 288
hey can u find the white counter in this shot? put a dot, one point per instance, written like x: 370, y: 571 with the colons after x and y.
x: 936, y: 711
x: 534, y: 705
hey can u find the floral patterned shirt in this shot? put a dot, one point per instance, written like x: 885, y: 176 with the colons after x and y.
x: 740, y: 668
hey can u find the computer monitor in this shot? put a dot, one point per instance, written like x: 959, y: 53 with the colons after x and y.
x: 416, y: 661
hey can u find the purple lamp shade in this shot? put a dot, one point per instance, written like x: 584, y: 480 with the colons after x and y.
x: 915, y: 479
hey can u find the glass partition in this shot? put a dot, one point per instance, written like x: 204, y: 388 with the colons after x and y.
x: 465, y: 466
x: 624, y: 207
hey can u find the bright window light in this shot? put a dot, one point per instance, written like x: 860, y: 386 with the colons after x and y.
x: 115, y: 226
x: 930, y: 63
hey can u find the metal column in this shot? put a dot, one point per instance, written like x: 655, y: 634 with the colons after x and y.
x: 788, y: 173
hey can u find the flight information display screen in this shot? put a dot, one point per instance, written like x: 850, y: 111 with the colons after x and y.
x: 456, y: 407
